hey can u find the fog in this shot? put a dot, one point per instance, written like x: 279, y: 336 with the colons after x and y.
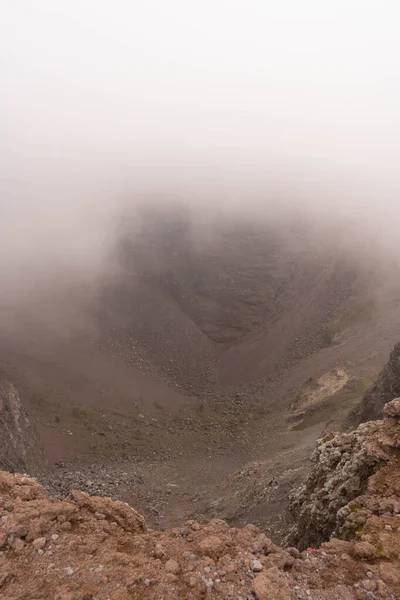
x: 258, y: 108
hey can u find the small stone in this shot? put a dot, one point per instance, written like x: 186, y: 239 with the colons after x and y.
x: 191, y: 558
x: 212, y: 546
x: 66, y: 526
x: 69, y: 571
x: 20, y: 531
x: 207, y: 569
x: 172, y: 566
x: 19, y: 545
x: 391, y: 410
x: 257, y: 546
x: 369, y: 585
x: 39, y: 543
x: 256, y: 566
x: 55, y: 537
x: 364, y: 550
x: 381, y: 586
x: 388, y: 528
x: 389, y: 573
x: 99, y: 516
x: 345, y: 557
x: 271, y: 587
x: 361, y: 519
x: 147, y: 582
x: 40, y: 552
x: 159, y: 551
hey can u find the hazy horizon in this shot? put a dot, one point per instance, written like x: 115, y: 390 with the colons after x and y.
x: 253, y: 108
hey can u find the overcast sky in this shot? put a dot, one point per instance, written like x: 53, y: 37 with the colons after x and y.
x: 230, y: 79
x: 99, y: 96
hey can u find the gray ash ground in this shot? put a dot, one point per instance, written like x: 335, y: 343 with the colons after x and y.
x: 96, y: 480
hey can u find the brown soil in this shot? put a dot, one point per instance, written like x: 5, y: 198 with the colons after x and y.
x: 89, y: 547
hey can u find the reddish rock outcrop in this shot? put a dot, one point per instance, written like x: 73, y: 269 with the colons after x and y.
x: 88, y: 548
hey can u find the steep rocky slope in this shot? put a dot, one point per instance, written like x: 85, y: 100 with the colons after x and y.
x: 20, y: 447
x: 186, y: 313
x: 386, y: 387
x: 86, y: 547
x: 260, y: 294
x: 354, y: 478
